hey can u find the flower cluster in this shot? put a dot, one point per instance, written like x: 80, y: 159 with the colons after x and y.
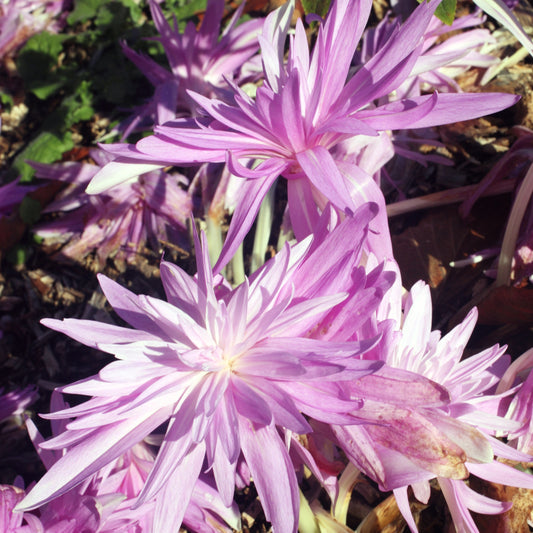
x: 151, y: 208
x: 317, y: 363
x: 199, y: 61
x: 304, y: 109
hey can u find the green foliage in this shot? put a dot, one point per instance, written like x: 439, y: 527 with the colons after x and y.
x: 111, y: 16
x: 188, y: 9
x: 85, y: 10
x: 83, y: 71
x: 6, y: 101
x: 55, y: 137
x: 445, y: 11
x: 183, y: 9
x: 319, y: 7
x: 80, y: 72
x: 103, y: 11
x: 46, y: 147
x: 78, y: 105
x: 37, y: 64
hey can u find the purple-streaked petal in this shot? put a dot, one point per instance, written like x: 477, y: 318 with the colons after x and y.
x: 92, y: 333
x: 449, y: 108
x: 320, y: 168
x: 503, y: 474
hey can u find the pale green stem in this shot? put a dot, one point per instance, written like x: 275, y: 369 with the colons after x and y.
x: 510, y: 237
x: 326, y: 522
x: 213, y: 233
x: 263, y: 226
x: 500, y: 12
x: 283, y: 237
x: 505, y: 63
x: 306, y: 521
x: 237, y: 266
x: 347, y: 482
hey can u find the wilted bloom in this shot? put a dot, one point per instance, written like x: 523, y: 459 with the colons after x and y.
x: 20, y: 19
x: 303, y: 110
x: 199, y: 60
x: 148, y: 209
x: 463, y: 430
x: 226, y: 368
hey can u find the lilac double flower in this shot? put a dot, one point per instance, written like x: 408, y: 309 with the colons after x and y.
x: 319, y: 342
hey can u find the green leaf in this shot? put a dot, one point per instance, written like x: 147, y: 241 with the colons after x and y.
x: 47, y: 147
x: 6, y: 100
x: 37, y: 64
x: 85, y: 10
x: 29, y: 210
x: 187, y: 10
x: 445, y: 11
x: 44, y: 90
x: 113, y: 14
x: 319, y: 7
x: 77, y: 106
x: 102, y: 11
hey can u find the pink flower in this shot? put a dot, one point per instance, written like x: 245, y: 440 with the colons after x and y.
x: 226, y: 368
x: 521, y: 406
x: 20, y: 19
x: 10, y: 521
x: 303, y: 110
x: 407, y: 441
x: 145, y: 210
x: 440, y: 62
x: 105, y: 502
x: 199, y: 61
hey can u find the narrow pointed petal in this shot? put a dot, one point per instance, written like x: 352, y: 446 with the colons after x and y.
x: 403, y: 504
x: 120, y: 171
x: 449, y: 108
x: 91, y: 454
x: 92, y: 333
x: 169, y: 510
x: 251, y: 196
x: 270, y: 466
x: 497, y: 472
